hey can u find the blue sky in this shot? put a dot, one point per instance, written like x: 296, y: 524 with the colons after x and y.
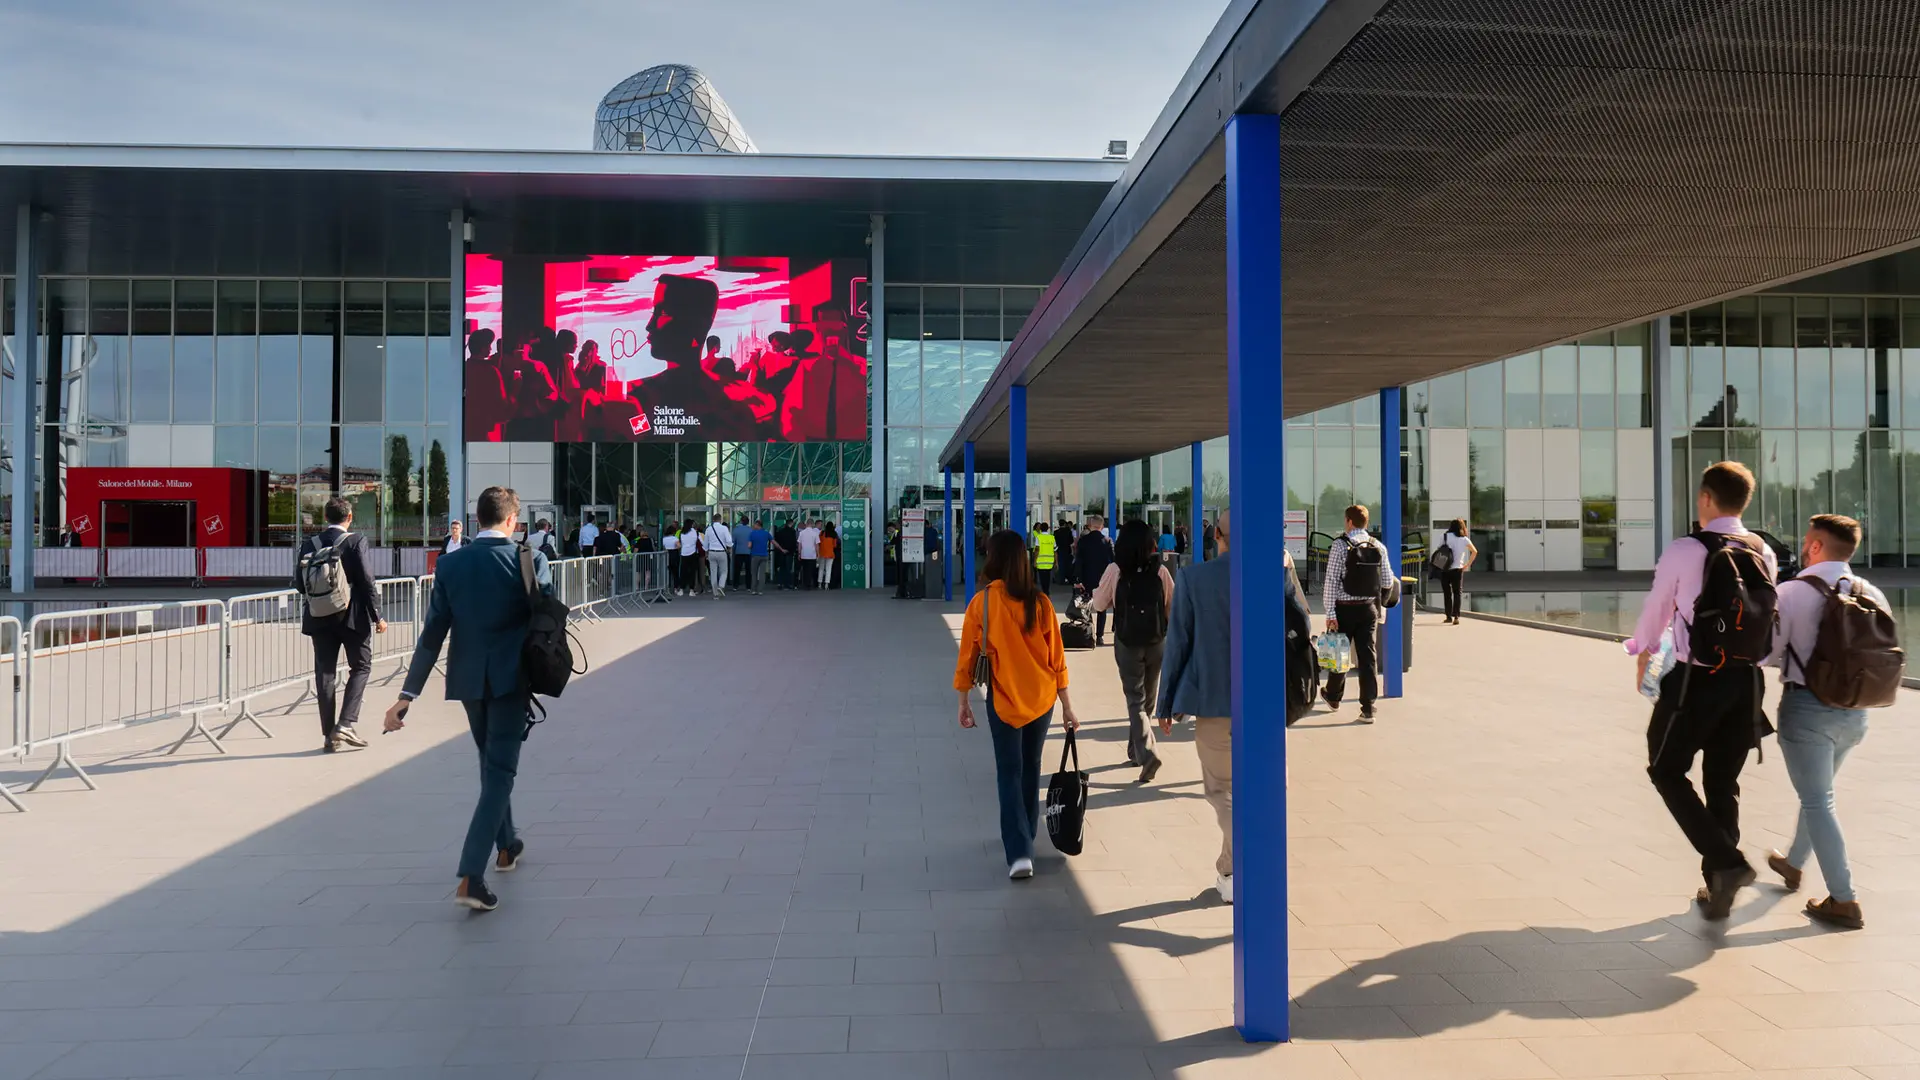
x: 998, y: 77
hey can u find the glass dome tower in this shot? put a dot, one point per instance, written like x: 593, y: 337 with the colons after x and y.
x: 669, y: 109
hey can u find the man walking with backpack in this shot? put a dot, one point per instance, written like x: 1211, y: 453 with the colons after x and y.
x: 481, y: 597
x: 342, y: 613
x: 1137, y: 588
x: 1357, y: 577
x: 1715, y: 589
x: 1839, y: 654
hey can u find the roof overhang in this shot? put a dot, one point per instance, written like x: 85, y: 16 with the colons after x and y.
x: 351, y: 211
x: 1464, y: 182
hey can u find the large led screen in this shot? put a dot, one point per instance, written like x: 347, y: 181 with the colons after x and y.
x: 607, y: 348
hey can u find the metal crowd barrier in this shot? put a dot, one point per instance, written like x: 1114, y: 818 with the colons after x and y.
x: 65, y: 562
x: 250, y: 562
x: 13, y: 731
x: 650, y: 570
x: 154, y: 562
x: 89, y: 672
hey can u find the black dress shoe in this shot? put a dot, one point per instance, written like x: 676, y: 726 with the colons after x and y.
x: 1151, y: 768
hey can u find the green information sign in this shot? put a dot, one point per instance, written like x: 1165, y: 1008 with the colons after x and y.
x: 853, y: 543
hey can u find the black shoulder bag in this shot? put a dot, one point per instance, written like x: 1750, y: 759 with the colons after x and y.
x: 1067, y: 802
x: 546, y: 656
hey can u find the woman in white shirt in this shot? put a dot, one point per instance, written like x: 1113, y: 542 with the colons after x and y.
x: 1463, y: 552
x: 670, y: 542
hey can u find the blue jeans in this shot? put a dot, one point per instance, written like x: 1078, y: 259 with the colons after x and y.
x: 1815, y: 738
x: 1016, y: 769
x: 499, y: 727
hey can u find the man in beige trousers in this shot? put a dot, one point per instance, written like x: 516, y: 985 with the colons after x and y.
x: 1196, y: 679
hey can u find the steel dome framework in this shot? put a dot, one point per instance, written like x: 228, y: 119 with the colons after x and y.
x: 671, y: 109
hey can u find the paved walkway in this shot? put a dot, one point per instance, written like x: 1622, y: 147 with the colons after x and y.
x: 759, y: 846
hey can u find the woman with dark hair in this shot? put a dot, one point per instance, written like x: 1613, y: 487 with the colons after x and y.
x: 1462, y: 553
x: 1137, y: 588
x: 1013, y: 624
x: 827, y: 550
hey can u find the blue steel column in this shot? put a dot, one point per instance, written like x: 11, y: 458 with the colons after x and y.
x: 1017, y: 458
x: 1197, y: 510
x: 946, y: 538
x: 1256, y: 449
x: 1393, y: 501
x: 1113, y: 503
x: 26, y: 412
x: 879, y: 455
x: 966, y: 511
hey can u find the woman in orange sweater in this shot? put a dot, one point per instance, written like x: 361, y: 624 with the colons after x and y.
x: 1022, y: 642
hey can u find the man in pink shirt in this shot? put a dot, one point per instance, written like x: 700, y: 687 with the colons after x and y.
x: 1708, y: 705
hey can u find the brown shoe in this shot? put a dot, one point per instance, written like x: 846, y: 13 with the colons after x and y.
x: 1789, y: 873
x: 1841, y: 913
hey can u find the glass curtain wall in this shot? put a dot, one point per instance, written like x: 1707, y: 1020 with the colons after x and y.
x: 1817, y: 394
x: 327, y: 386
x: 943, y: 343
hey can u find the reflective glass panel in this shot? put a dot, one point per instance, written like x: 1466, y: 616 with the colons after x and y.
x: 1849, y: 387
x: 1743, y: 386
x: 406, y: 359
x: 1523, y: 391
x: 1814, y: 388
x: 1596, y: 386
x: 1486, y: 396
x: 1706, y: 406
x: 106, y: 368
x: 1447, y: 401
x: 1560, y: 386
x: 1776, y: 387
x: 236, y: 363
x: 151, y: 374
x: 1779, y: 478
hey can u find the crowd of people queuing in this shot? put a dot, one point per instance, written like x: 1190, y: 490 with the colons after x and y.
x: 552, y: 387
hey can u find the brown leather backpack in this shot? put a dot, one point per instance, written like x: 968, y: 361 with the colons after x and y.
x: 1856, y: 661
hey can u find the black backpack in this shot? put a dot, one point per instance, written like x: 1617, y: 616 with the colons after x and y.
x: 1140, y: 608
x: 546, y: 657
x: 1736, y: 613
x: 1366, y: 573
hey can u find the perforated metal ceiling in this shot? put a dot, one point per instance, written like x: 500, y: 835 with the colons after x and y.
x: 1470, y: 179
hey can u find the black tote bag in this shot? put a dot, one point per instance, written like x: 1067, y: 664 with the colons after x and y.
x: 1067, y: 802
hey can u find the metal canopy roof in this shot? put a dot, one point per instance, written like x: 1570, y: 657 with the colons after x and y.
x: 1464, y: 180
x: 371, y: 212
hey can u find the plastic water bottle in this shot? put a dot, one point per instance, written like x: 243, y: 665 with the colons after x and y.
x: 1657, y: 666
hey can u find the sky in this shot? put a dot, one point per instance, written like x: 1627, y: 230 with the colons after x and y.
x: 1040, y: 78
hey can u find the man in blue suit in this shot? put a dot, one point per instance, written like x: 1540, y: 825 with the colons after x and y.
x: 479, y: 596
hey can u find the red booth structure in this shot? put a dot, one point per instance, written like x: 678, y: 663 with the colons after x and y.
x: 163, y: 508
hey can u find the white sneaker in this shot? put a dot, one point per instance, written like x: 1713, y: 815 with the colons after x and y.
x: 1224, y: 883
x: 1020, y: 870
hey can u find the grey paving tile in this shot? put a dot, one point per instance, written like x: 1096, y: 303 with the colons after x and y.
x: 637, y: 1006
x: 810, y: 972
x: 76, y: 1025
x: 89, y: 993
x: 180, y: 965
x: 488, y: 954
x: 62, y: 967
x: 496, y: 1071
x: 707, y: 947
x: 431, y: 982
x: 365, y: 1050
x: 685, y: 925
x: 503, y: 1010
x: 105, y: 1060
x: 297, y: 1018
x: 22, y: 1060
x: 320, y: 937
x: 541, y: 1045
x: 998, y: 1064
x: 847, y: 1067
x: 371, y: 958
x: 560, y: 979
x: 940, y: 969
x: 857, y: 945
x: 1027, y: 997
x: 685, y: 1068
x: 1006, y: 1031
x: 863, y: 999
x: 252, y: 988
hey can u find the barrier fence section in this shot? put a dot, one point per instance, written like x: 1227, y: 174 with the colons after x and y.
x: 650, y: 574
x: 13, y: 729
x: 265, y: 653
x: 89, y: 672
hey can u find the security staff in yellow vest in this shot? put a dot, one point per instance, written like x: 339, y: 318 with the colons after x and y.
x: 1043, y: 558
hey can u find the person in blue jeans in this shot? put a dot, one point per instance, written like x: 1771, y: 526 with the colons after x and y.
x: 1013, y: 624
x: 1815, y: 738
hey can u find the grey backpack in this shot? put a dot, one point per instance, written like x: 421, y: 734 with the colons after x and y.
x: 323, y: 580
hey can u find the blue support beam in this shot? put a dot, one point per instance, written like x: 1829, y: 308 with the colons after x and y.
x: 1256, y: 454
x: 946, y: 539
x: 1017, y: 459
x: 1199, y: 523
x: 1113, y: 503
x: 966, y: 500
x: 1393, y: 501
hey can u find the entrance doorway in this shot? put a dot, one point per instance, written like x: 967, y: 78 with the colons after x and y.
x: 144, y: 523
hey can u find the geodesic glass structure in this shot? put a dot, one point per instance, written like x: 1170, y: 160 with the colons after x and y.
x: 670, y: 109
